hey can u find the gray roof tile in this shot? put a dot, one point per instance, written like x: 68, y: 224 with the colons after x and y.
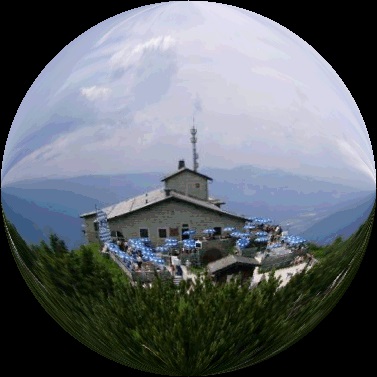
x: 229, y: 260
x: 153, y: 197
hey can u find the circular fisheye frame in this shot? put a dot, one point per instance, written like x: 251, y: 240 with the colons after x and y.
x: 188, y: 188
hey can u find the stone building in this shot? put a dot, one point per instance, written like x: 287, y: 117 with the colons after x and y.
x: 224, y: 269
x: 182, y: 203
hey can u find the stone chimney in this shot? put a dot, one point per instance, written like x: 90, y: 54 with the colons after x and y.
x: 181, y: 164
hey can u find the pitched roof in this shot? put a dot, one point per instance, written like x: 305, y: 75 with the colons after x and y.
x: 204, y: 204
x: 185, y: 170
x: 226, y: 262
x: 215, y: 201
x: 152, y: 197
x: 132, y: 204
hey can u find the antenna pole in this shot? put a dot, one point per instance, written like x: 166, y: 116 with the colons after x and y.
x: 194, y: 139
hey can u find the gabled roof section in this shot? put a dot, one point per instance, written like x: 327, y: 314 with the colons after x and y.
x: 186, y: 170
x: 153, y: 197
x: 216, y: 201
x: 205, y: 204
x: 230, y: 260
x: 132, y: 204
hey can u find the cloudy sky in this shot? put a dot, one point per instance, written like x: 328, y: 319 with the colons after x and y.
x: 121, y: 98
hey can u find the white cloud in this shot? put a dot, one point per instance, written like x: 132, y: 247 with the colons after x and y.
x: 159, y: 43
x: 93, y: 93
x: 258, y: 95
x: 129, y: 54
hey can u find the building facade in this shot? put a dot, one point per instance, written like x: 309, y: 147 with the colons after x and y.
x: 189, y: 183
x: 182, y: 204
x: 224, y: 269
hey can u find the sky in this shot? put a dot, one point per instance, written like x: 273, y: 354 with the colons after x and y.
x: 121, y: 98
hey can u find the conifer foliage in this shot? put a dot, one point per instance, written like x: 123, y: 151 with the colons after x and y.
x: 193, y: 329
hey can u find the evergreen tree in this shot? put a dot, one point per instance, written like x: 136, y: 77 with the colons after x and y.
x: 197, y: 328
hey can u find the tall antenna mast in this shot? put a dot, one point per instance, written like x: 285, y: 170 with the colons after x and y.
x: 194, y: 139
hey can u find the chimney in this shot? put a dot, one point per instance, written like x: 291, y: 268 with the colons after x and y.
x: 181, y: 164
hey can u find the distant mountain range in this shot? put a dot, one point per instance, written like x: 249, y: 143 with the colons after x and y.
x: 342, y: 223
x: 35, y: 223
x: 318, y: 210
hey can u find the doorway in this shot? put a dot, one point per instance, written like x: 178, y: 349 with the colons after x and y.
x: 184, y: 228
x: 217, y: 231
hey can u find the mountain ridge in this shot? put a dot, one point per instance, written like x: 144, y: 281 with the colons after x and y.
x: 286, y: 198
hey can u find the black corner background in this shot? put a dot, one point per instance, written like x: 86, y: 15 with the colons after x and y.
x: 33, y: 35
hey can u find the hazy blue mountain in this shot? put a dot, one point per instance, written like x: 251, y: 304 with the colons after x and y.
x: 281, y: 178
x: 296, y: 202
x: 14, y: 209
x: 287, y: 198
x: 104, y: 189
x: 342, y: 223
x: 39, y: 207
x: 36, y: 223
x: 276, y: 187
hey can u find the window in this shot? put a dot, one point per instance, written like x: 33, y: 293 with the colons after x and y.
x: 95, y: 226
x: 184, y: 228
x: 144, y: 233
x: 162, y: 233
x: 174, y: 232
x: 117, y: 234
x: 197, y: 185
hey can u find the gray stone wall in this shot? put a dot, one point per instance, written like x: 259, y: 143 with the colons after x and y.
x: 171, y: 214
x: 280, y: 261
x: 186, y: 183
x: 224, y: 245
x: 90, y: 233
